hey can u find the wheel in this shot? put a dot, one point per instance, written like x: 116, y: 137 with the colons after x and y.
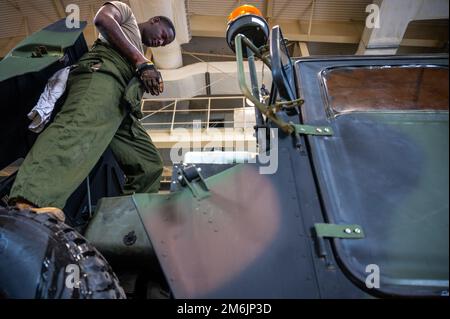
x: 41, y: 257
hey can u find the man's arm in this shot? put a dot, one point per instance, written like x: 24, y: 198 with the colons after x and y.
x: 107, y: 22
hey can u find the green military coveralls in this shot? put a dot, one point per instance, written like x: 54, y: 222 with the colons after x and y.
x: 101, y: 109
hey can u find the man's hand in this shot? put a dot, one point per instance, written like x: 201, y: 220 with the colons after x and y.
x: 150, y: 78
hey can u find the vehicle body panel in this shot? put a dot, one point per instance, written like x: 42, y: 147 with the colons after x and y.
x: 385, y: 168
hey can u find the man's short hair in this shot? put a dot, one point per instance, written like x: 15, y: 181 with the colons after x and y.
x: 168, y: 23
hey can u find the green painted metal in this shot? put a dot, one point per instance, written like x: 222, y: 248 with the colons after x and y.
x: 313, y: 130
x: 339, y: 231
x: 114, y: 219
x: 253, y: 74
x: 200, y: 243
x: 266, y: 110
x: 55, y: 38
x: 198, y: 186
x: 269, y: 110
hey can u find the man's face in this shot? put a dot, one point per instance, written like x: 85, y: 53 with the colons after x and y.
x: 156, y: 33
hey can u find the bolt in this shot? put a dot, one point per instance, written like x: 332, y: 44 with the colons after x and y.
x: 327, y: 130
x: 180, y: 178
x: 319, y: 130
x: 348, y: 231
x: 199, y: 169
x: 357, y: 230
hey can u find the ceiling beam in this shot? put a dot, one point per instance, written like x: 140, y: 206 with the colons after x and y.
x: 395, y: 17
x: 208, y: 26
x: 94, y: 29
x: 26, y: 25
x: 59, y: 8
x: 303, y: 49
x: 14, y: 5
x: 300, y: 50
x: 323, y: 31
x: 32, y: 5
x: 209, y: 54
x: 268, y: 10
x: 423, y: 43
x: 313, y: 5
x: 296, y: 50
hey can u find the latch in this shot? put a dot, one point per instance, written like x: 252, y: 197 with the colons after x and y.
x: 323, y: 230
x: 190, y: 176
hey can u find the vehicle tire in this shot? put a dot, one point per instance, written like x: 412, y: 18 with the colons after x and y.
x: 42, y: 258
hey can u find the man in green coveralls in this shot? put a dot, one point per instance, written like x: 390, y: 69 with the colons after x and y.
x: 102, y: 109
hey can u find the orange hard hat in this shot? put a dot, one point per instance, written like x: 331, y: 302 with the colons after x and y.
x: 242, y: 10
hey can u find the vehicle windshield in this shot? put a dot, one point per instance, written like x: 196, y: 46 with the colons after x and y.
x: 386, y: 88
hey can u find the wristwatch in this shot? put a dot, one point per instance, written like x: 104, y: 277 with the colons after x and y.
x: 144, y: 66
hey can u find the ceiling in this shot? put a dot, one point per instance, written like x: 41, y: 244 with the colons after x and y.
x: 335, y: 10
x: 40, y: 13
x: 343, y: 19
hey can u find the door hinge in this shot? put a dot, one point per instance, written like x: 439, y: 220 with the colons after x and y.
x: 323, y: 230
x: 300, y: 129
x: 339, y: 231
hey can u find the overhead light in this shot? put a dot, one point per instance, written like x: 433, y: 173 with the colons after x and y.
x: 248, y: 21
x: 243, y: 10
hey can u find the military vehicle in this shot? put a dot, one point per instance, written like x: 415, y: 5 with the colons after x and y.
x: 356, y: 208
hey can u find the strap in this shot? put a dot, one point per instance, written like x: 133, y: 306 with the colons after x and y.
x: 144, y: 66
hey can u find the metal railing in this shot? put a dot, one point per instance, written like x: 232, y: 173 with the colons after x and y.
x: 171, y: 113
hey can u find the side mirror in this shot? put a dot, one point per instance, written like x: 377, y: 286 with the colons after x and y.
x: 282, y: 68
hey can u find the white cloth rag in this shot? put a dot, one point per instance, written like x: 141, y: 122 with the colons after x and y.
x: 42, y: 112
